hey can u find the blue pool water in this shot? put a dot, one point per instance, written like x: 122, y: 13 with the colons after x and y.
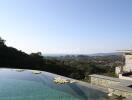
x: 28, y: 86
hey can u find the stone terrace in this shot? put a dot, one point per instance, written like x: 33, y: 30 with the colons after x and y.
x: 114, y: 85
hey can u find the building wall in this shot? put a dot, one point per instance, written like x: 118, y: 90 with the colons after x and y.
x: 128, y: 63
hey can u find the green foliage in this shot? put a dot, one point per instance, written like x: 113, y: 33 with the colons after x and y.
x: 104, y: 65
x: 78, y: 67
x: 2, y: 42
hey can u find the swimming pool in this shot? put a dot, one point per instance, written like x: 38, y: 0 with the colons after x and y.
x: 25, y: 85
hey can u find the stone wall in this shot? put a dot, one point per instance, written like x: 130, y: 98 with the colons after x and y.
x: 125, y: 77
x: 102, y: 81
x: 119, y: 92
x: 118, y: 70
x: 113, y: 85
x: 128, y: 63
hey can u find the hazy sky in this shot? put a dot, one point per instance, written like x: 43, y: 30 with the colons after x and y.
x: 67, y: 26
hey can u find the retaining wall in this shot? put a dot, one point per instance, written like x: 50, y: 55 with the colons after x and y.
x: 113, y: 85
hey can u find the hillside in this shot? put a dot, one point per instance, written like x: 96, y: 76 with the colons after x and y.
x: 11, y: 57
x: 74, y: 66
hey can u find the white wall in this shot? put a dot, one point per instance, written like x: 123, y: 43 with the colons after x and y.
x: 118, y: 70
x: 128, y: 63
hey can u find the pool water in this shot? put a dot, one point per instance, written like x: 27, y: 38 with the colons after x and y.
x: 28, y: 86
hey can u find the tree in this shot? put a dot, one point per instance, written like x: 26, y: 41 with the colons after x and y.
x: 36, y: 55
x: 2, y: 42
x: 37, y: 59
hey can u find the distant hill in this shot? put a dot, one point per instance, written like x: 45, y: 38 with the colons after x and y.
x: 84, y: 55
x: 106, y: 54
